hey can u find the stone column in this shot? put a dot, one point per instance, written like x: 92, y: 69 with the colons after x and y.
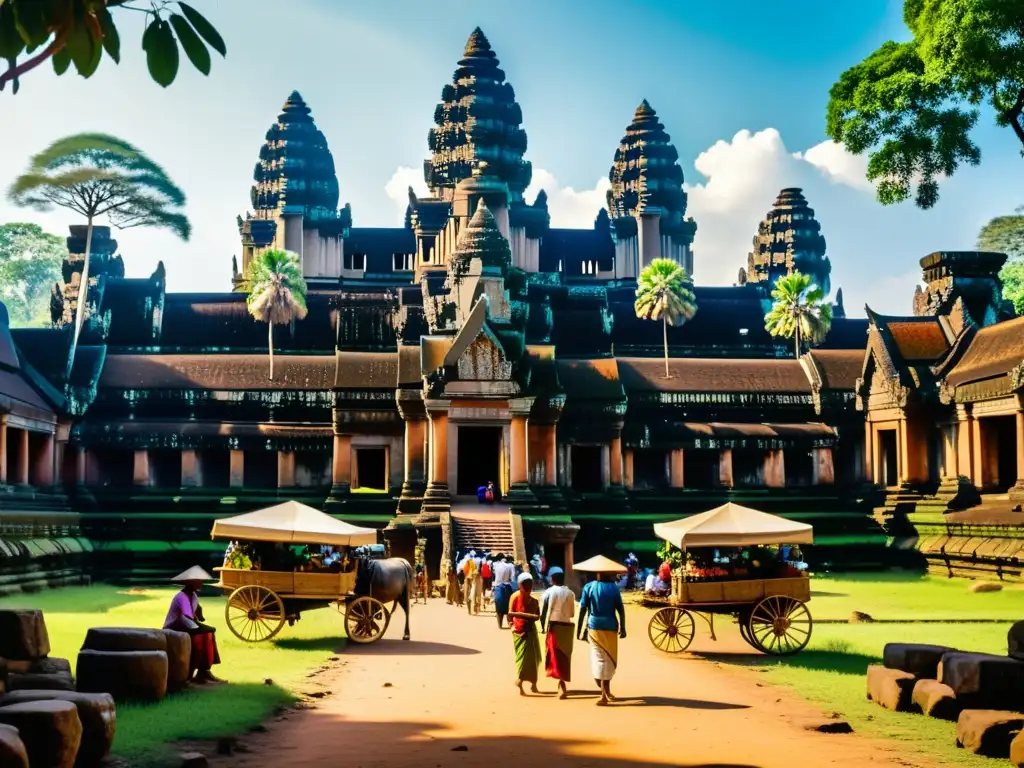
x: 551, y: 455
x: 615, y: 461
x: 437, y: 498
x: 518, y: 452
x: 563, y: 464
x: 140, y: 469
x: 3, y: 450
x: 286, y: 469
x: 21, y: 470
x: 236, y: 472
x: 627, y: 468
x: 341, y: 465
x: 81, y: 464
x: 414, y: 482
x: 1018, y: 489
x: 725, y: 468
x: 676, y: 478
x: 965, y: 444
x: 902, y: 451
x: 822, y: 466
x: 775, y: 469
x: 977, y: 453
x: 191, y: 470
x: 606, y: 467
x: 45, y: 464
x: 570, y: 574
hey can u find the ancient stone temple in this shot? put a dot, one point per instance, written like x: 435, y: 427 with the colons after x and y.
x: 474, y: 342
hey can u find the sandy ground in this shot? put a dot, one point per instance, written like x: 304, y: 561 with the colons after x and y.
x: 447, y: 698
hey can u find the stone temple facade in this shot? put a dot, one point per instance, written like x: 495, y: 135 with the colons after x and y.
x: 476, y: 342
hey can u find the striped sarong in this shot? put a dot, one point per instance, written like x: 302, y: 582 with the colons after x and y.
x: 604, y: 653
x: 527, y: 649
x: 558, y: 658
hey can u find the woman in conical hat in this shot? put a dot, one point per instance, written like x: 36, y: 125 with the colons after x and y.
x: 185, y: 615
x: 602, y: 621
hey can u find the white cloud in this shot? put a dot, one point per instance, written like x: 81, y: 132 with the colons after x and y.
x: 837, y: 164
x: 397, y: 188
x: 569, y: 209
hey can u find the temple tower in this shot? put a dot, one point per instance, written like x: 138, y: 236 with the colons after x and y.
x: 646, y: 202
x: 295, y: 195
x: 965, y: 286
x: 788, y: 239
x: 478, y: 119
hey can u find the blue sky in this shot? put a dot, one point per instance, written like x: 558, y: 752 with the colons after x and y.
x: 741, y: 86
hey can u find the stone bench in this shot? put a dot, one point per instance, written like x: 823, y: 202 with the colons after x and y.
x: 920, y: 660
x: 988, y: 732
x: 51, y: 673
x: 23, y: 635
x: 890, y: 688
x: 984, y: 681
x: 50, y: 730
x: 96, y: 711
x: 176, y: 645
x: 12, y: 748
x: 125, y: 675
x: 936, y: 700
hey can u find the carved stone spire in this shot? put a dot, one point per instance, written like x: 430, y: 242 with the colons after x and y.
x: 789, y: 239
x: 295, y: 172
x: 482, y: 239
x: 478, y: 119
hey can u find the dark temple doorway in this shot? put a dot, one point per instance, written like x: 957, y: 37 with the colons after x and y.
x: 479, y: 458
x: 888, y: 449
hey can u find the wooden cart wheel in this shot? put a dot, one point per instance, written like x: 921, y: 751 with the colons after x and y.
x: 254, y: 613
x: 671, y: 630
x: 366, y: 620
x: 780, y: 625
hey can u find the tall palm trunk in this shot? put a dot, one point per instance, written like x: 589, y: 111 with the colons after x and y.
x: 664, y: 333
x: 83, y: 295
x: 798, y: 337
x: 270, y: 346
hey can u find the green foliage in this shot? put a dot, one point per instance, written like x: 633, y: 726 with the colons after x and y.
x: 800, y: 310
x: 1004, y: 234
x: 277, y: 292
x: 79, y: 32
x: 30, y: 262
x: 671, y: 553
x: 664, y: 293
x: 913, y: 105
x: 1012, y: 276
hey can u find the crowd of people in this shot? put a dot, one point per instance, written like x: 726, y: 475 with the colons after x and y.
x: 482, y: 578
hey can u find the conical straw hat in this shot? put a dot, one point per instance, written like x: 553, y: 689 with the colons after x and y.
x: 600, y: 564
x: 195, y: 573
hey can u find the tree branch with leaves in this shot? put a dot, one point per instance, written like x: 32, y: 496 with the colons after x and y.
x: 664, y: 293
x: 80, y: 32
x: 913, y: 106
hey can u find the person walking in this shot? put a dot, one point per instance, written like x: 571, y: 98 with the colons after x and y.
x: 604, y: 616
x: 504, y: 576
x: 524, y: 612
x: 556, y: 614
x: 473, y: 583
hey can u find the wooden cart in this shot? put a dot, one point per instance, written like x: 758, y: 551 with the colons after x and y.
x: 772, y: 613
x: 260, y: 602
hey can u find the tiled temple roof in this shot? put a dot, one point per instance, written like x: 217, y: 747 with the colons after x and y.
x: 590, y: 379
x: 356, y: 370
x: 994, y: 351
x: 918, y: 340
x: 711, y: 375
x: 839, y: 368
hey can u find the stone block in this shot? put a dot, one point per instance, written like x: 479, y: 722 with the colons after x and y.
x: 179, y: 655
x: 31, y: 681
x: 981, y: 587
x: 936, y: 700
x: 50, y: 730
x: 23, y: 635
x: 919, y: 660
x: 124, y: 639
x: 984, y: 681
x: 1017, y: 751
x: 988, y: 732
x: 96, y: 711
x: 12, y: 748
x: 125, y: 675
x: 890, y: 688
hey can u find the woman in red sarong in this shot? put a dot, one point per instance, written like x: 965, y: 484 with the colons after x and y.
x: 186, y: 615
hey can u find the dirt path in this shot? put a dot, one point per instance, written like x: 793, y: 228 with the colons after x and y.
x: 447, y: 699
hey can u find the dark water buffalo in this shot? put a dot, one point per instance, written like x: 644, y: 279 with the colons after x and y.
x: 389, y: 580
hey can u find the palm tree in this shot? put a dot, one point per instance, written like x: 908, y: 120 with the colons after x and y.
x: 277, y: 292
x: 800, y: 311
x: 663, y: 293
x: 98, y: 175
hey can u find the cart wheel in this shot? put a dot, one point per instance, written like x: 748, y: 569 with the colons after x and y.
x: 744, y: 621
x: 254, y: 613
x: 780, y: 626
x: 671, y: 630
x: 366, y: 620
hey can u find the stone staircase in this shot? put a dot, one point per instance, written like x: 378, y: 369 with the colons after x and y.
x: 488, y: 532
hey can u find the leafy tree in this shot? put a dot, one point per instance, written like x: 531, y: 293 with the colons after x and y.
x: 800, y: 311
x: 79, y: 32
x: 30, y: 262
x: 1012, y: 276
x: 97, y: 175
x: 1004, y: 234
x: 913, y: 105
x: 277, y: 292
x: 663, y: 293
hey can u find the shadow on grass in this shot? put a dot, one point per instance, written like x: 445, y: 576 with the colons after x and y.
x: 332, y: 644
x: 409, y: 648
x: 815, y: 660
x: 817, y: 593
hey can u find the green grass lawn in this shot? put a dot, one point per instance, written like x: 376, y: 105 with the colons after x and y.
x: 831, y: 671
x: 144, y: 731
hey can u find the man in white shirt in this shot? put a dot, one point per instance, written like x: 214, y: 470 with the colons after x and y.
x: 556, y: 619
x: 504, y: 576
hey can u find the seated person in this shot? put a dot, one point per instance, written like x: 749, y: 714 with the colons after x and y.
x: 185, y: 615
x: 655, y: 586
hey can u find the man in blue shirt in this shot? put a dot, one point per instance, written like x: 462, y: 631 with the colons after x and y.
x: 601, y: 607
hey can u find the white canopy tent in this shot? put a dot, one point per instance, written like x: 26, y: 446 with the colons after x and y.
x: 731, y: 525
x: 292, y: 522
